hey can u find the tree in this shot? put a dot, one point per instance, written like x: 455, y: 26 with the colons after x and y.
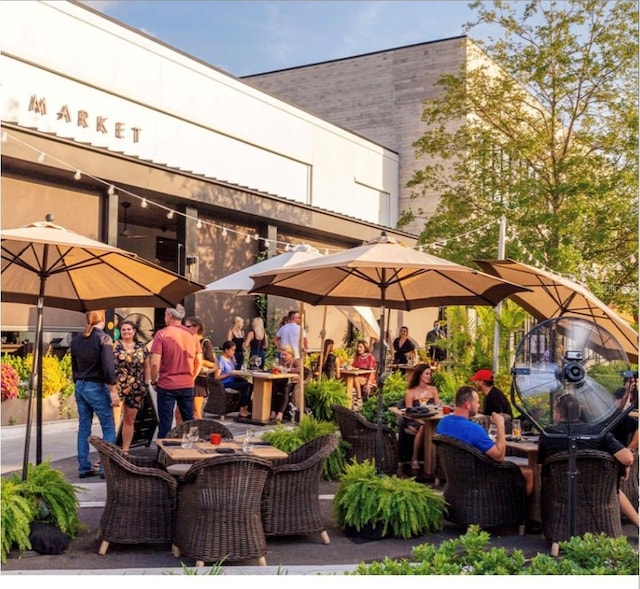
x: 541, y: 126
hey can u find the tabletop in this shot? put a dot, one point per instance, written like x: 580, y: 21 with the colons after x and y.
x: 264, y: 375
x: 356, y: 371
x: 173, y: 449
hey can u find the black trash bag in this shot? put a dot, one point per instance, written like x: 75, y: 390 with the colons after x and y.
x: 47, y: 539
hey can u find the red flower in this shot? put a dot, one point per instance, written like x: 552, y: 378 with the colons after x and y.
x: 10, y: 382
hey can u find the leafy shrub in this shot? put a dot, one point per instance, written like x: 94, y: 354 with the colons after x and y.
x: 320, y: 394
x: 16, y: 513
x: 23, y: 371
x: 10, y: 382
x: 309, y: 429
x: 54, y: 380
x: 393, y: 391
x: 470, y: 555
x: 402, y: 507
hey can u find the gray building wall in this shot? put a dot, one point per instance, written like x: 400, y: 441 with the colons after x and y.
x: 379, y: 96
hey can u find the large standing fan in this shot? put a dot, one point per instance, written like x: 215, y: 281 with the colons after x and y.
x: 144, y: 326
x: 570, y: 356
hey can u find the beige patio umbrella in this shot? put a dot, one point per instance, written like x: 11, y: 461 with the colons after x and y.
x: 550, y: 295
x: 384, y: 273
x: 46, y: 265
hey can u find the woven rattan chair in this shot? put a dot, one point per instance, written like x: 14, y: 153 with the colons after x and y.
x: 290, y: 503
x: 478, y: 489
x: 597, y: 505
x: 218, y: 514
x: 361, y: 435
x: 140, y: 500
x: 220, y: 400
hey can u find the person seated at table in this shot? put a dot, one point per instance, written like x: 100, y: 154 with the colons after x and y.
x: 495, y: 401
x: 626, y: 430
x: 403, y: 348
x: 331, y: 363
x: 421, y: 391
x: 227, y: 363
x: 459, y: 425
x: 566, y: 410
x: 364, y: 360
x: 282, y: 390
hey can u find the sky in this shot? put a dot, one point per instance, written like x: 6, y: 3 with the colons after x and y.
x: 246, y: 37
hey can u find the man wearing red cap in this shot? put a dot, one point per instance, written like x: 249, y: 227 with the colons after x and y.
x: 495, y: 400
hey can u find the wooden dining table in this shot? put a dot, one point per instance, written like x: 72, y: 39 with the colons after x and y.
x: 262, y: 391
x: 349, y: 375
x: 200, y: 450
x: 430, y: 423
x: 527, y: 447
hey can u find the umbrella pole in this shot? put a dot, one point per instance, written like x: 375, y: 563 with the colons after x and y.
x: 323, y: 333
x: 300, y: 399
x: 381, y: 364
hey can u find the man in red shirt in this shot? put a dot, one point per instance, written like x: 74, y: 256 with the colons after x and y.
x: 176, y: 360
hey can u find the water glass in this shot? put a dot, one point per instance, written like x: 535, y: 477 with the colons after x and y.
x: 187, y: 442
x: 493, y: 431
x: 515, y: 428
x: 247, y: 443
x: 194, y: 434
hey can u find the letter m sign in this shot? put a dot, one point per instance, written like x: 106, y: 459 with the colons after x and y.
x: 38, y: 105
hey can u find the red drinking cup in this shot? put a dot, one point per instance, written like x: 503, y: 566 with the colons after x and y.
x: 446, y: 409
x: 216, y: 439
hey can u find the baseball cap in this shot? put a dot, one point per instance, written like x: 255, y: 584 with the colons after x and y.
x: 483, y: 374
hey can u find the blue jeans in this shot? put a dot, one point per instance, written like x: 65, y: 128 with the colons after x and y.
x: 167, y: 400
x: 93, y: 397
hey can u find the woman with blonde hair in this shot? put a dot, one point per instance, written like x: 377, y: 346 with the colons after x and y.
x: 94, y: 375
x: 235, y: 334
x: 257, y: 341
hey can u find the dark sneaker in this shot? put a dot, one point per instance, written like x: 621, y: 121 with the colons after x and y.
x: 87, y: 474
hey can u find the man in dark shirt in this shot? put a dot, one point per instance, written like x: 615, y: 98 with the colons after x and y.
x: 94, y: 375
x: 495, y: 400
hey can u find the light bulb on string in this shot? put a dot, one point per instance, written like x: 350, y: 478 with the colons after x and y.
x: 144, y: 204
x: 170, y: 215
x: 5, y: 137
x: 224, y: 232
x: 199, y: 224
x: 111, y: 191
x: 77, y: 175
x: 247, y: 239
x: 41, y: 156
x: 256, y: 237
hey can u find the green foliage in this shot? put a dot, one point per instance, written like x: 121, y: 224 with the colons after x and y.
x: 16, y: 513
x: 321, y: 393
x: 470, y: 555
x: 18, y: 363
x: 553, y: 145
x: 401, y: 506
x: 46, y: 496
x: 309, y: 429
x: 10, y: 382
x: 393, y: 391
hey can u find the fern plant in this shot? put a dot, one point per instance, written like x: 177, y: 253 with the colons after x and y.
x: 402, y: 507
x: 393, y: 391
x: 16, y: 513
x: 309, y: 429
x: 320, y: 394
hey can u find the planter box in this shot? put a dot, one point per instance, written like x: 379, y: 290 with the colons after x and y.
x: 14, y: 411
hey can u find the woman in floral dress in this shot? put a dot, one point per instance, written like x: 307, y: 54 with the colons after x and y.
x: 132, y: 368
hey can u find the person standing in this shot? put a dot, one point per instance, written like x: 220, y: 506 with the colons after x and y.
x: 236, y: 335
x: 495, y: 401
x: 257, y: 341
x: 176, y: 360
x: 403, y: 347
x: 133, y: 372
x: 94, y: 376
x: 331, y: 363
x: 209, y: 364
x: 436, y: 353
x: 289, y: 334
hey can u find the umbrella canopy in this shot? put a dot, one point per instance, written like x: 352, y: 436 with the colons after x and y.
x: 240, y: 283
x: 383, y: 272
x: 44, y: 264
x: 550, y: 295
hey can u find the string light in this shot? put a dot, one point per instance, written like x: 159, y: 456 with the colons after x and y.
x: 170, y: 214
x: 224, y: 232
x: 247, y: 239
x: 144, y: 204
x: 256, y: 237
x: 78, y: 175
x: 41, y: 156
x: 5, y: 137
x: 199, y: 224
x: 111, y: 191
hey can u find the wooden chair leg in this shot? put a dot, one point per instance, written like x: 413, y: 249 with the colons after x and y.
x: 555, y: 549
x: 262, y: 561
x: 199, y: 563
x: 325, y: 537
x: 175, y: 551
x: 104, y: 546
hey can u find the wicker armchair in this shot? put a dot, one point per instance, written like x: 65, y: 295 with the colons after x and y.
x: 361, y: 435
x: 218, y: 514
x: 290, y: 503
x: 220, y: 400
x: 478, y: 489
x: 597, y: 505
x: 140, y: 501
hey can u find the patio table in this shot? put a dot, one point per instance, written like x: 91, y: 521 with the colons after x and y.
x: 262, y: 390
x: 200, y: 450
x: 349, y: 376
x: 528, y: 447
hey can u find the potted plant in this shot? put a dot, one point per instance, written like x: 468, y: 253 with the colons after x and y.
x: 381, y: 506
x: 393, y: 391
x: 321, y: 393
x: 309, y: 428
x: 45, y: 497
